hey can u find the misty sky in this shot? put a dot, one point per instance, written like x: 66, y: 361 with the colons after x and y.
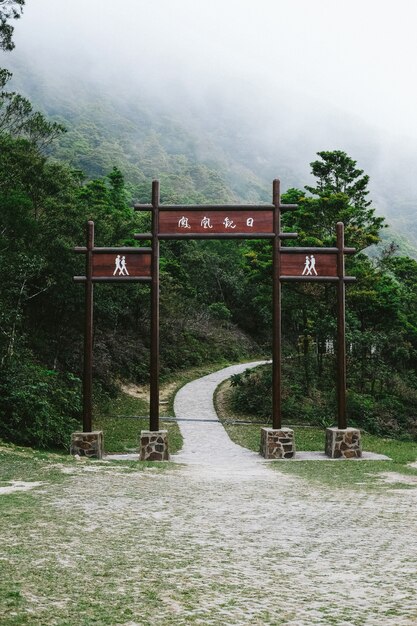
x: 356, y: 56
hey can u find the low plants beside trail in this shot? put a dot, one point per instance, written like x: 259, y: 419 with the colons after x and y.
x: 390, y: 412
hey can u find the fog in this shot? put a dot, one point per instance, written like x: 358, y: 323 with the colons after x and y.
x: 359, y: 57
x: 304, y: 75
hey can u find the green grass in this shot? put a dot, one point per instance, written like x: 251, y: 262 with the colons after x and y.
x: 334, y: 473
x: 121, y: 434
x: 39, y: 533
x: 122, y: 405
x: 26, y: 464
x: 122, y: 419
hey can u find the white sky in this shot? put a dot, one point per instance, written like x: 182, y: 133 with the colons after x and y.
x: 359, y: 56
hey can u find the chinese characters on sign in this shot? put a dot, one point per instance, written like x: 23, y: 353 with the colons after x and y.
x: 206, y: 222
x: 215, y: 222
x: 183, y: 222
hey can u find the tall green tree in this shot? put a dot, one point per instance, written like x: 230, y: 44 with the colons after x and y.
x: 339, y: 194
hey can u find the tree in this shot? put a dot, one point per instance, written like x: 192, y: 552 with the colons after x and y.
x: 9, y: 10
x: 337, y: 173
x: 18, y: 119
x: 341, y: 195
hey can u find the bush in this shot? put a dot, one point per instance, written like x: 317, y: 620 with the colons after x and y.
x: 38, y: 407
x: 252, y: 392
x: 387, y: 416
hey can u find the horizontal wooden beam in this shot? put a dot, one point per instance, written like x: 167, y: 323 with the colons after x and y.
x: 317, y: 279
x: 120, y: 250
x: 114, y: 279
x: 294, y: 250
x: 215, y: 207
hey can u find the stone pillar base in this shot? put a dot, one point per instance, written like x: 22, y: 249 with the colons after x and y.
x: 154, y: 445
x: 277, y: 443
x: 343, y: 443
x: 87, y: 444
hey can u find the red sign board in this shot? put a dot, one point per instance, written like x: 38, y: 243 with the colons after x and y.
x: 121, y: 265
x: 224, y: 222
x: 308, y: 265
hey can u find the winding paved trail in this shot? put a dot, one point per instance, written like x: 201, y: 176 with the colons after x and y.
x: 205, y: 440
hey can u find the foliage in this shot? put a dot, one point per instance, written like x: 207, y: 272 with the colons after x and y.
x: 380, y: 314
x: 9, y: 10
x: 39, y: 407
x: 18, y: 118
x: 215, y: 295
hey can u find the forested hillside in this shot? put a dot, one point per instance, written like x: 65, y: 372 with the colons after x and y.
x: 141, y: 137
x: 201, y: 147
x: 88, y: 157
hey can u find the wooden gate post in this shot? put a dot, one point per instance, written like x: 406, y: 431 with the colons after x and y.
x: 341, y: 329
x: 88, y: 333
x: 155, y: 365
x: 276, y: 308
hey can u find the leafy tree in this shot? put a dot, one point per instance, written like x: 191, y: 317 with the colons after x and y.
x: 337, y: 173
x: 340, y: 195
x: 9, y: 10
x: 18, y: 119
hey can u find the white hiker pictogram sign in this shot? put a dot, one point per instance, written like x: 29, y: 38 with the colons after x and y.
x: 126, y: 265
x: 120, y: 266
x: 310, y: 266
x: 300, y: 264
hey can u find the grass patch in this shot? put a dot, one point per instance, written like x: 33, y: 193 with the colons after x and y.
x: 29, y: 465
x: 123, y: 405
x: 334, y: 473
x: 121, y: 434
x: 122, y: 418
x: 26, y: 464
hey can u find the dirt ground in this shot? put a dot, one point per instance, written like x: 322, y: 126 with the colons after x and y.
x: 191, y: 545
x: 227, y: 541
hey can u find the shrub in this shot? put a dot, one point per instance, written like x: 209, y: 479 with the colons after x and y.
x: 38, y: 407
x: 252, y: 392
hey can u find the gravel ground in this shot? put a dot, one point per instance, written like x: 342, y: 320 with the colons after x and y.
x: 216, y: 545
x: 224, y: 539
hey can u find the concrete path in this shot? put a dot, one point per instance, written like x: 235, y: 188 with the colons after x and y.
x: 205, y: 440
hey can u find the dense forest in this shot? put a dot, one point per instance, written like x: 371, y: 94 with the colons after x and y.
x: 56, y: 173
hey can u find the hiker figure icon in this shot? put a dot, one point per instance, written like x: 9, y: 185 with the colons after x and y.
x: 120, y: 266
x: 310, y: 266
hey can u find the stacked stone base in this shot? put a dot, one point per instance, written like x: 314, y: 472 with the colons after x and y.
x: 277, y: 443
x: 343, y: 443
x: 87, y: 444
x: 154, y: 445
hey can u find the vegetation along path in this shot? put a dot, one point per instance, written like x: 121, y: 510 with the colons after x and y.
x: 222, y: 538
